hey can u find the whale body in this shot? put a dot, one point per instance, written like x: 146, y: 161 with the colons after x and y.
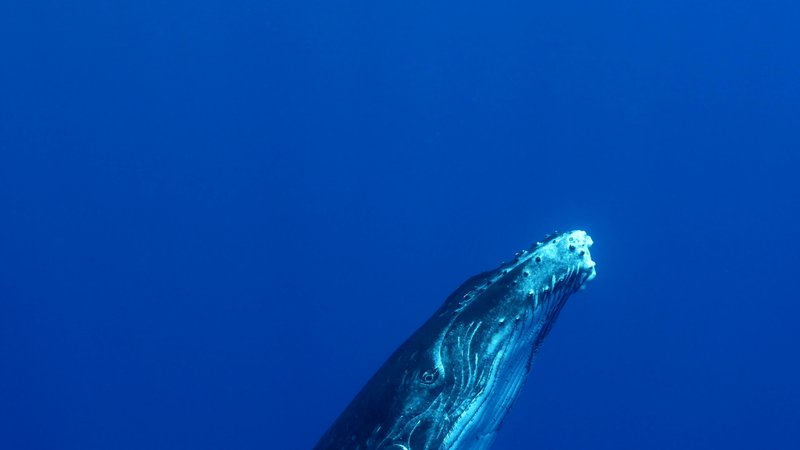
x: 451, y: 384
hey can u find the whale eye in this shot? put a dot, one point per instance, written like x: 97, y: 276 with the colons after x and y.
x: 430, y: 376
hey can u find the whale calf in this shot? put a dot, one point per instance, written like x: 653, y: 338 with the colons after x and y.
x: 451, y: 384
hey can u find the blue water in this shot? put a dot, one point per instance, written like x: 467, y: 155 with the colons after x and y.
x: 217, y: 219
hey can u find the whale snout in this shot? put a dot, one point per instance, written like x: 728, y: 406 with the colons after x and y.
x: 570, y: 251
x: 578, y: 242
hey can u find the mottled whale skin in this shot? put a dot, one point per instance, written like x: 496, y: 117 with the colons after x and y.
x: 450, y: 385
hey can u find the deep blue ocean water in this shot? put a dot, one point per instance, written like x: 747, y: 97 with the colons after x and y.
x: 217, y: 219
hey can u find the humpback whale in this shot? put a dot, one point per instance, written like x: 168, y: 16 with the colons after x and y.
x: 451, y: 384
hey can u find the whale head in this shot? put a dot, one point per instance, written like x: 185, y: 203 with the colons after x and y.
x: 497, y: 327
x: 450, y: 385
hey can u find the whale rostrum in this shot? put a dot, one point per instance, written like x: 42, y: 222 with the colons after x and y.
x: 451, y: 384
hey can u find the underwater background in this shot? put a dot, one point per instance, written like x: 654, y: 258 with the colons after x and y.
x: 217, y: 219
